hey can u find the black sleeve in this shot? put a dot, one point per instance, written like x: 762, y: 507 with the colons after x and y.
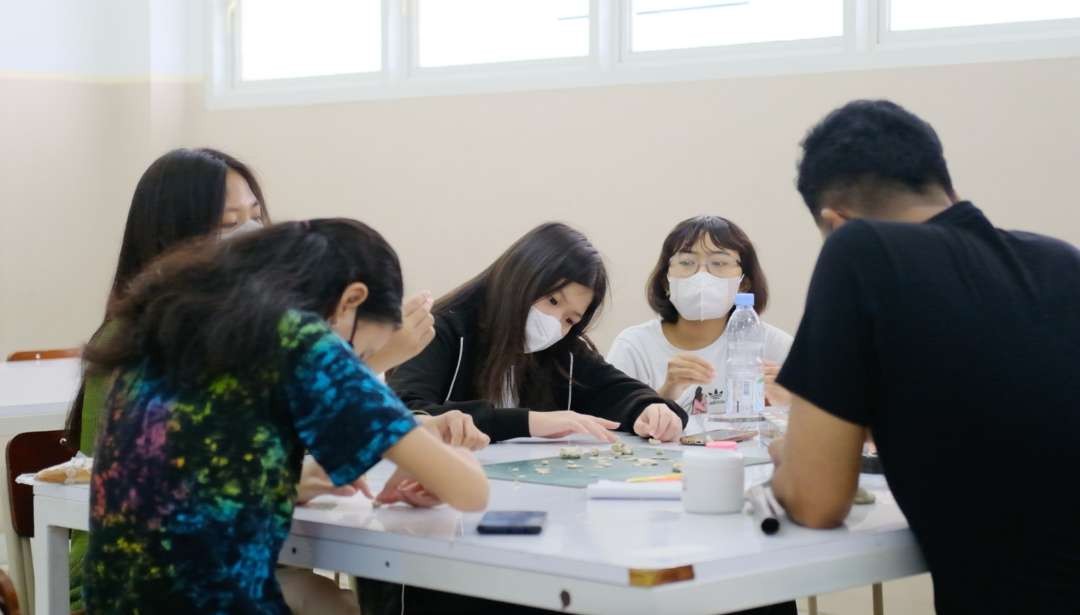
x: 833, y: 360
x: 600, y: 389
x: 424, y: 381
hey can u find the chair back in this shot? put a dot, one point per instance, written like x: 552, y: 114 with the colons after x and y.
x: 30, y: 452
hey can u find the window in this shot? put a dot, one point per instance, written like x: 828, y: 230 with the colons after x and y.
x: 930, y: 14
x: 685, y: 24
x: 311, y: 51
x: 458, y: 32
x: 284, y: 39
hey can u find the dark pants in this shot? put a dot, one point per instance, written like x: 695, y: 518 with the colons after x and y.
x: 379, y: 598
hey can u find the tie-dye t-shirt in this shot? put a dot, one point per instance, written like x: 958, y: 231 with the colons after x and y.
x: 193, y: 490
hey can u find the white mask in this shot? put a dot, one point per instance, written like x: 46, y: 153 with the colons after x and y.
x: 249, y: 226
x: 542, y: 331
x: 703, y: 296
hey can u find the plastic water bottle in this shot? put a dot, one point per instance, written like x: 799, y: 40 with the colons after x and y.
x: 745, y: 386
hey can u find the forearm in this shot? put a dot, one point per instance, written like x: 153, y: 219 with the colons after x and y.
x: 669, y: 391
x: 803, y: 509
x: 498, y: 423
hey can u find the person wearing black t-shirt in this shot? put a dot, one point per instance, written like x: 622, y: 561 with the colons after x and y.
x: 957, y: 346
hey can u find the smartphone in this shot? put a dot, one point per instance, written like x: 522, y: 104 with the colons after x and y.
x: 512, y: 522
x: 717, y: 435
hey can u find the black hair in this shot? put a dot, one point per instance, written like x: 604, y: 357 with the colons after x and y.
x: 543, y: 261
x: 181, y: 195
x: 867, y: 147
x: 210, y: 307
x: 725, y: 234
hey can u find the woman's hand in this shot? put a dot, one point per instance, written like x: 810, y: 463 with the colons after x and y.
x: 403, y: 487
x: 416, y: 332
x: 660, y: 422
x: 685, y: 370
x: 561, y: 423
x: 456, y: 428
x: 775, y: 395
x: 314, y: 482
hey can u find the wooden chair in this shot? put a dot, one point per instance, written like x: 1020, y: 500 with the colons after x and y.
x: 42, y: 355
x: 28, y: 452
x: 9, y: 601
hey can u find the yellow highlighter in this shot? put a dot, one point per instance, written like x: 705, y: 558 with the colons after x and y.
x: 663, y: 478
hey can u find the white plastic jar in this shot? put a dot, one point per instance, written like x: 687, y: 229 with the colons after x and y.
x: 712, y: 481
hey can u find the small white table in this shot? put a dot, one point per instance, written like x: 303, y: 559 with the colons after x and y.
x: 34, y: 396
x: 591, y: 557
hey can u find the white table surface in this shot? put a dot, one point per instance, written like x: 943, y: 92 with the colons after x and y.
x: 585, y: 553
x: 30, y: 388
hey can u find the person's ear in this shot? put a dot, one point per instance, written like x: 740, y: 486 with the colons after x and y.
x: 355, y: 294
x: 831, y: 219
x: 745, y: 286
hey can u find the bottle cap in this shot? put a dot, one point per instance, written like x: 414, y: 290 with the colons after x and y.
x: 725, y: 445
x: 744, y: 300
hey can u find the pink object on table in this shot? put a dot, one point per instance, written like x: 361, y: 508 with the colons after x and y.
x: 725, y: 445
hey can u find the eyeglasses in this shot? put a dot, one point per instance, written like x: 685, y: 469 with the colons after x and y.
x: 684, y: 265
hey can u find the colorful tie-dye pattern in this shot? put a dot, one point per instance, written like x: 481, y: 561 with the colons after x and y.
x: 192, y: 493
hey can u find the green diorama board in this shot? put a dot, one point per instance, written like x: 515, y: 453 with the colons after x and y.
x: 559, y: 472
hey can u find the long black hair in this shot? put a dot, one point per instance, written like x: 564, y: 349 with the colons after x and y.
x: 541, y: 262
x: 181, y: 195
x: 211, y: 307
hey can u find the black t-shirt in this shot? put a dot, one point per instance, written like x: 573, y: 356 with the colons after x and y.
x: 958, y: 345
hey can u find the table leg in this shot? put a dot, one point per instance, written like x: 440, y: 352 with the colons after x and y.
x: 879, y: 599
x: 50, y: 552
x: 811, y: 604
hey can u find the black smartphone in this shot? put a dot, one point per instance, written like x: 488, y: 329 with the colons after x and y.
x: 512, y: 522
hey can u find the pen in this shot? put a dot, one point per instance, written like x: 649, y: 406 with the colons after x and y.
x: 764, y: 507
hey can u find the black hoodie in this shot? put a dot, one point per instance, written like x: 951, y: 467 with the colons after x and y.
x: 450, y: 360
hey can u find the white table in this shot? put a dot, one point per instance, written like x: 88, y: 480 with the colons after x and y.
x: 586, y: 557
x: 34, y: 396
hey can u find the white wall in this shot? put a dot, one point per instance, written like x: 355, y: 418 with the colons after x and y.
x: 452, y: 180
x: 101, y: 39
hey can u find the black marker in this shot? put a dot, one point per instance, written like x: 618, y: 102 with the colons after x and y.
x: 764, y: 507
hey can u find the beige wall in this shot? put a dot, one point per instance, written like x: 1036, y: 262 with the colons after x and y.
x: 451, y: 181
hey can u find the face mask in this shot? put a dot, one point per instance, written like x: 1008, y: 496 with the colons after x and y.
x: 542, y: 331
x: 250, y: 225
x: 703, y: 296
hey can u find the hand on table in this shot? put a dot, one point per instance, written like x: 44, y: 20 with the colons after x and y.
x: 456, y: 428
x: 660, y: 422
x: 403, y: 487
x: 561, y: 423
x: 314, y: 482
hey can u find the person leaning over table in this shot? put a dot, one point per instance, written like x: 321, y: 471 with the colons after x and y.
x: 956, y: 345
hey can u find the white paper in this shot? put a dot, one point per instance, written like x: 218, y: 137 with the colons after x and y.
x: 618, y: 490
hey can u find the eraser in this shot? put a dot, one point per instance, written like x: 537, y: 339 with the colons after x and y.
x: 722, y: 445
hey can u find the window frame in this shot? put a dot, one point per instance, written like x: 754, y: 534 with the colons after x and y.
x: 867, y: 42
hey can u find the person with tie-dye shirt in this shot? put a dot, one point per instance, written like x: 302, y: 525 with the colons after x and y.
x: 231, y: 360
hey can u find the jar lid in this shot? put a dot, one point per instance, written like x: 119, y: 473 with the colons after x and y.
x: 710, y: 454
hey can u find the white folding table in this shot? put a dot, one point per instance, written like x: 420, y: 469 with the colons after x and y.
x: 593, y: 556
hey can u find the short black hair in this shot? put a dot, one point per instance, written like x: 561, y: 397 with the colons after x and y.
x: 868, y: 145
x: 725, y: 234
